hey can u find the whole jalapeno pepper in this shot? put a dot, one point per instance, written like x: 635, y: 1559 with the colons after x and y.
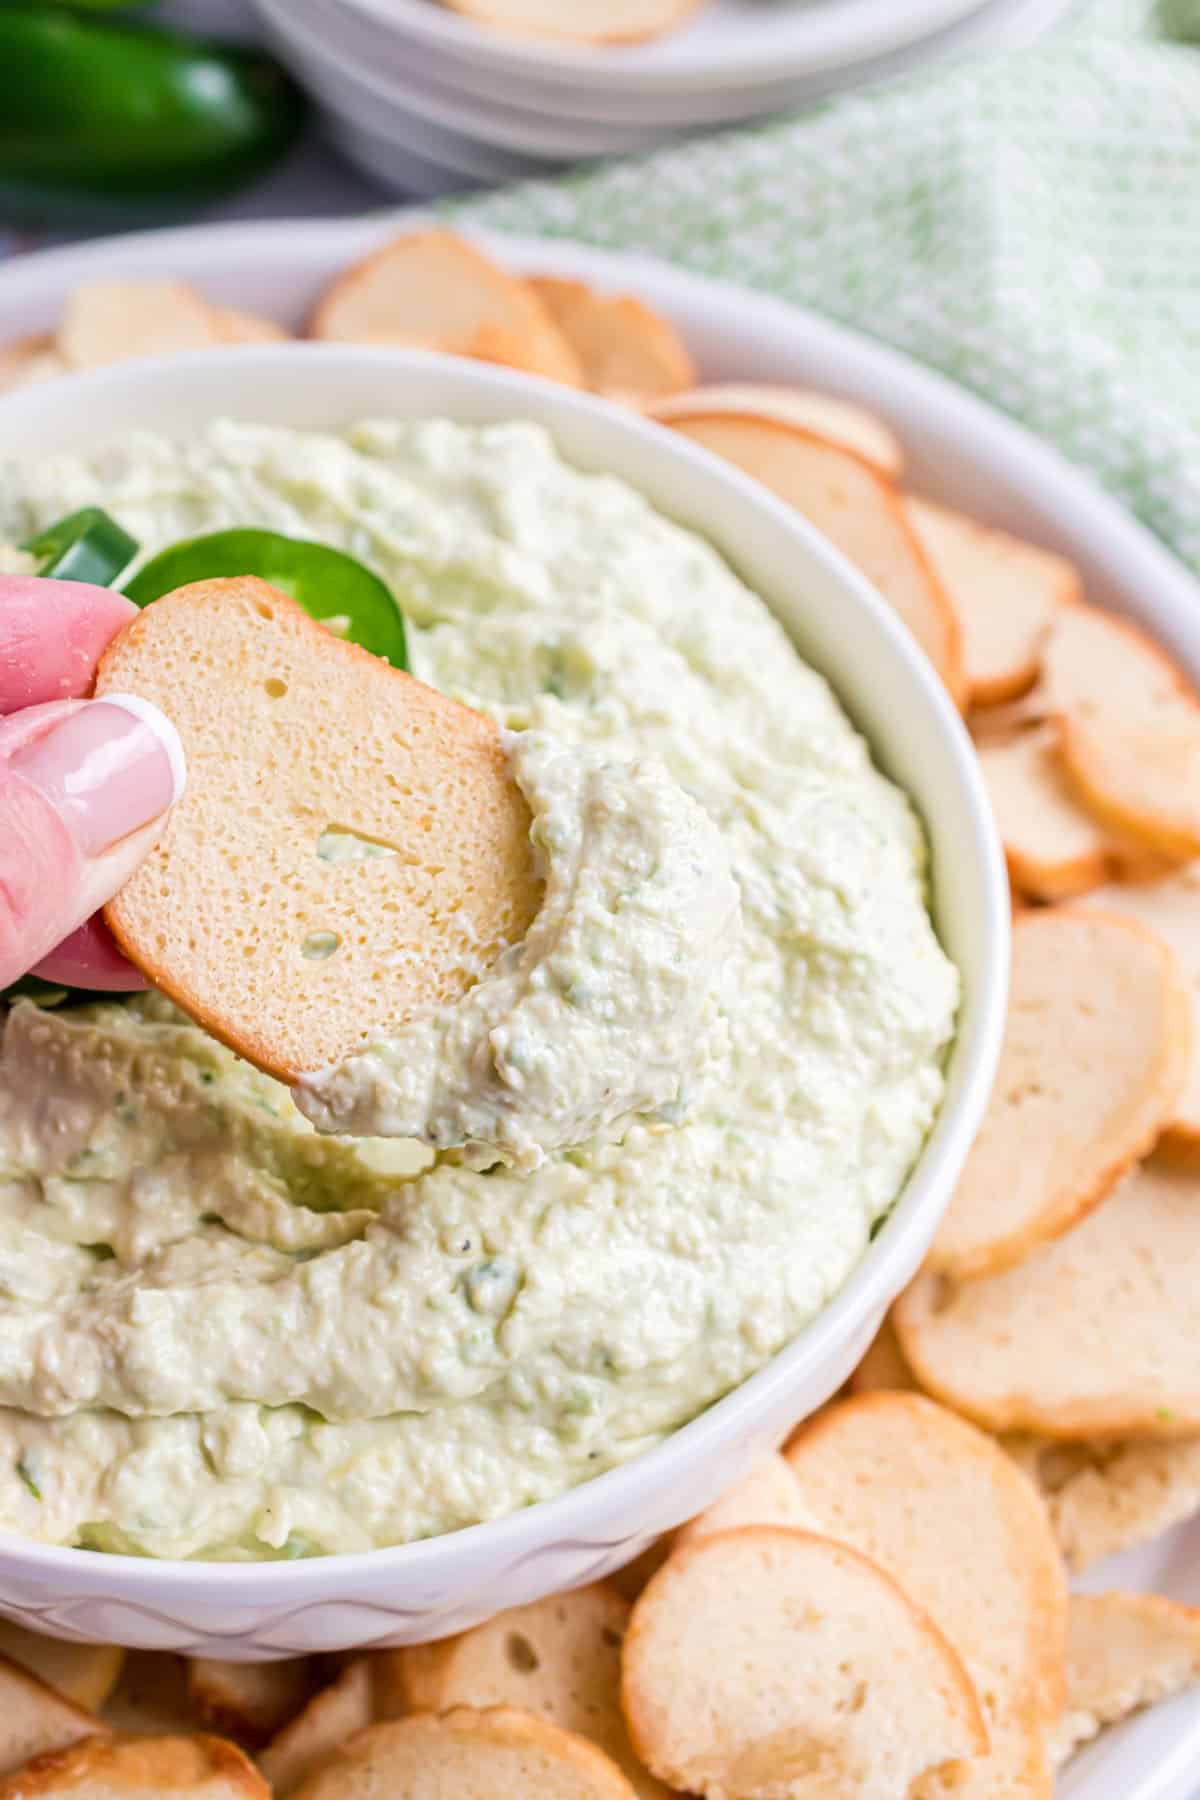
x: 119, y: 113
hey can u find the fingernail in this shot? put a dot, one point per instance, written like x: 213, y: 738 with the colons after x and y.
x: 108, y: 769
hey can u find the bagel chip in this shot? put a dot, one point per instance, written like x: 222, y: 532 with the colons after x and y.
x: 85, y: 1674
x: 435, y: 289
x: 1171, y: 908
x: 1130, y: 723
x: 927, y: 1497
x: 1054, y: 848
x: 856, y: 507
x: 625, y: 350
x: 558, y: 1659
x: 34, y: 1718
x: 235, y: 914
x: 1097, y: 1050
x: 1093, y: 1336
x: 631, y: 1578
x: 30, y: 359
x: 1006, y: 594
x: 583, y: 22
x: 466, y: 1755
x: 107, y: 321
x: 826, y: 415
x: 770, y: 1661
x: 237, y: 327
x: 309, y: 1740
x: 156, y: 1768
x: 1102, y: 1495
x: 769, y: 1495
x: 250, y: 1701
x: 1106, y: 1495
x: 1125, y: 1651
x: 883, y: 1368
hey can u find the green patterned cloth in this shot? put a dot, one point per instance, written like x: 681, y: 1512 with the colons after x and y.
x: 1028, y: 223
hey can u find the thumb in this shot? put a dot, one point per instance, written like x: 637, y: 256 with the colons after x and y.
x: 85, y: 787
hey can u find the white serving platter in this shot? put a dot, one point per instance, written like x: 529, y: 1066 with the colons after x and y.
x: 959, y: 449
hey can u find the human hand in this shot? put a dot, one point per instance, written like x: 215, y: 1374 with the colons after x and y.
x: 85, y: 785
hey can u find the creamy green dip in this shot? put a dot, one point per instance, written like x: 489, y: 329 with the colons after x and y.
x: 223, y: 1334
x: 605, y: 1010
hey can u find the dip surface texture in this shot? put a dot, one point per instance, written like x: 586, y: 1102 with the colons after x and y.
x: 222, y: 1334
x: 602, y: 1012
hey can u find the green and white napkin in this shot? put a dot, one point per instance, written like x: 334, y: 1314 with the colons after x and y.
x: 1028, y: 223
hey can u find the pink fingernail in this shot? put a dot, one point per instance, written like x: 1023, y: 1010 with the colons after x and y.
x: 108, y: 769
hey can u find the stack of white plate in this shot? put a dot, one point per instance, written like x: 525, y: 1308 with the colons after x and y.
x: 427, y: 102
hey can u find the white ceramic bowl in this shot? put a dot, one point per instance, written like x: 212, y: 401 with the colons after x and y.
x: 392, y: 166
x: 726, y: 44
x: 840, y: 624
x: 368, y: 80
x: 369, y: 74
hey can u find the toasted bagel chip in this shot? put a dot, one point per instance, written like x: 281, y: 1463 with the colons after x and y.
x: 1007, y: 719
x: 498, y: 344
x: 435, y: 289
x: 1054, y: 848
x: 467, y: 1755
x: 36, y: 1718
x: 1092, y: 1336
x: 162, y: 1768
x: 234, y: 914
x: 530, y: 351
x: 1106, y: 1495
x: 927, y: 1497
x: 769, y: 1495
x: 28, y: 360
x: 1006, y: 593
x: 1102, y: 1495
x: 583, y: 22
x: 558, y: 1659
x: 630, y: 1580
x: 309, y: 1740
x: 826, y: 415
x: 237, y: 327
x: 625, y: 350
x: 83, y: 1673
x: 250, y: 1701
x: 1145, y: 783
x: 151, y: 1698
x: 1170, y: 907
x: 856, y: 508
x: 883, y: 1369
x: 771, y: 1661
x: 1097, y: 1050
x: 1126, y: 1651
x: 1130, y: 725
x: 107, y: 321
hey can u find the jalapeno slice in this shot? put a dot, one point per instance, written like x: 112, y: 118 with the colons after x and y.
x: 335, y: 588
x: 85, y: 546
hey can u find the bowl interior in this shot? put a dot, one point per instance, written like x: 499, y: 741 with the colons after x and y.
x: 834, y: 617
x: 838, y: 623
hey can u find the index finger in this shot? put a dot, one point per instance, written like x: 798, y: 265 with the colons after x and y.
x: 52, y: 634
